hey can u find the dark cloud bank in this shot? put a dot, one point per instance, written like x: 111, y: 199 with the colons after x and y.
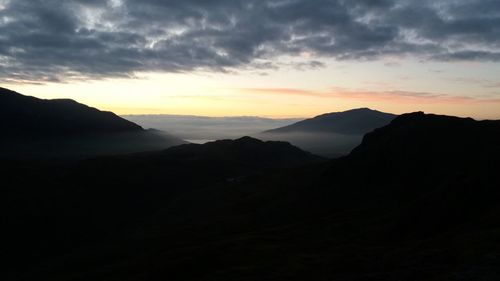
x: 51, y: 40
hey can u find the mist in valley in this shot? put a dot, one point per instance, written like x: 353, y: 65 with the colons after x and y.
x: 199, y: 129
x: 351, y: 141
x: 329, y: 145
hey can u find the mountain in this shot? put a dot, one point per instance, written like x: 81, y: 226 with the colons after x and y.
x: 416, y: 200
x: 426, y: 185
x: 425, y: 154
x: 22, y: 116
x: 188, y: 165
x: 423, y: 151
x: 431, y: 135
x: 351, y: 122
x: 32, y: 127
x: 245, y: 151
x: 331, y: 134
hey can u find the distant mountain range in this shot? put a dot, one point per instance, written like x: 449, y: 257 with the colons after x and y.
x: 32, y: 127
x: 416, y: 200
x: 331, y: 134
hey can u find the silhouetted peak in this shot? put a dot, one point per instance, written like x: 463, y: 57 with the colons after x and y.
x: 7, y: 95
x: 354, y: 121
x: 23, y: 116
x: 247, y: 139
x: 5, y: 91
x: 13, y: 96
x: 430, y: 134
x: 247, y: 142
x: 243, y: 149
x: 421, y: 118
x: 66, y: 101
x: 362, y: 110
x: 416, y: 113
x: 357, y: 110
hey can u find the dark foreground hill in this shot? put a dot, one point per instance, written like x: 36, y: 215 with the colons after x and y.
x: 424, y: 157
x: 331, y: 134
x: 53, y: 210
x: 32, y: 127
x: 417, y: 200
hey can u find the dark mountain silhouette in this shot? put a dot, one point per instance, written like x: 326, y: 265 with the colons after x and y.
x: 188, y: 165
x: 423, y: 152
x: 29, y: 116
x: 331, y: 134
x: 32, y: 127
x: 416, y: 200
x: 350, y: 122
x: 429, y: 134
x: 244, y: 151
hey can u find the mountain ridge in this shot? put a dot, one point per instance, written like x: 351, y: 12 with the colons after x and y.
x: 354, y: 121
x: 25, y: 115
x: 65, y: 129
x: 419, y: 126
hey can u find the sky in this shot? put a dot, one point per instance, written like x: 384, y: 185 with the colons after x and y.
x: 274, y: 58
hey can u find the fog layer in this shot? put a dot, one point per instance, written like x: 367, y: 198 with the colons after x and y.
x: 201, y: 128
x: 323, y: 144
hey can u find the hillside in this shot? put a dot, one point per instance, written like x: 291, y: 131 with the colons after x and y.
x: 417, y: 200
x: 62, y: 128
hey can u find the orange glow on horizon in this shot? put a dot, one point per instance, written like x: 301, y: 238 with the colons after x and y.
x: 283, y: 93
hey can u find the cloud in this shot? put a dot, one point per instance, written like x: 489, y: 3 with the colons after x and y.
x: 485, y: 83
x: 394, y: 96
x: 286, y: 92
x: 50, y: 40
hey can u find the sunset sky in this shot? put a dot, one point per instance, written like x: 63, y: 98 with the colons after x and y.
x: 279, y: 58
